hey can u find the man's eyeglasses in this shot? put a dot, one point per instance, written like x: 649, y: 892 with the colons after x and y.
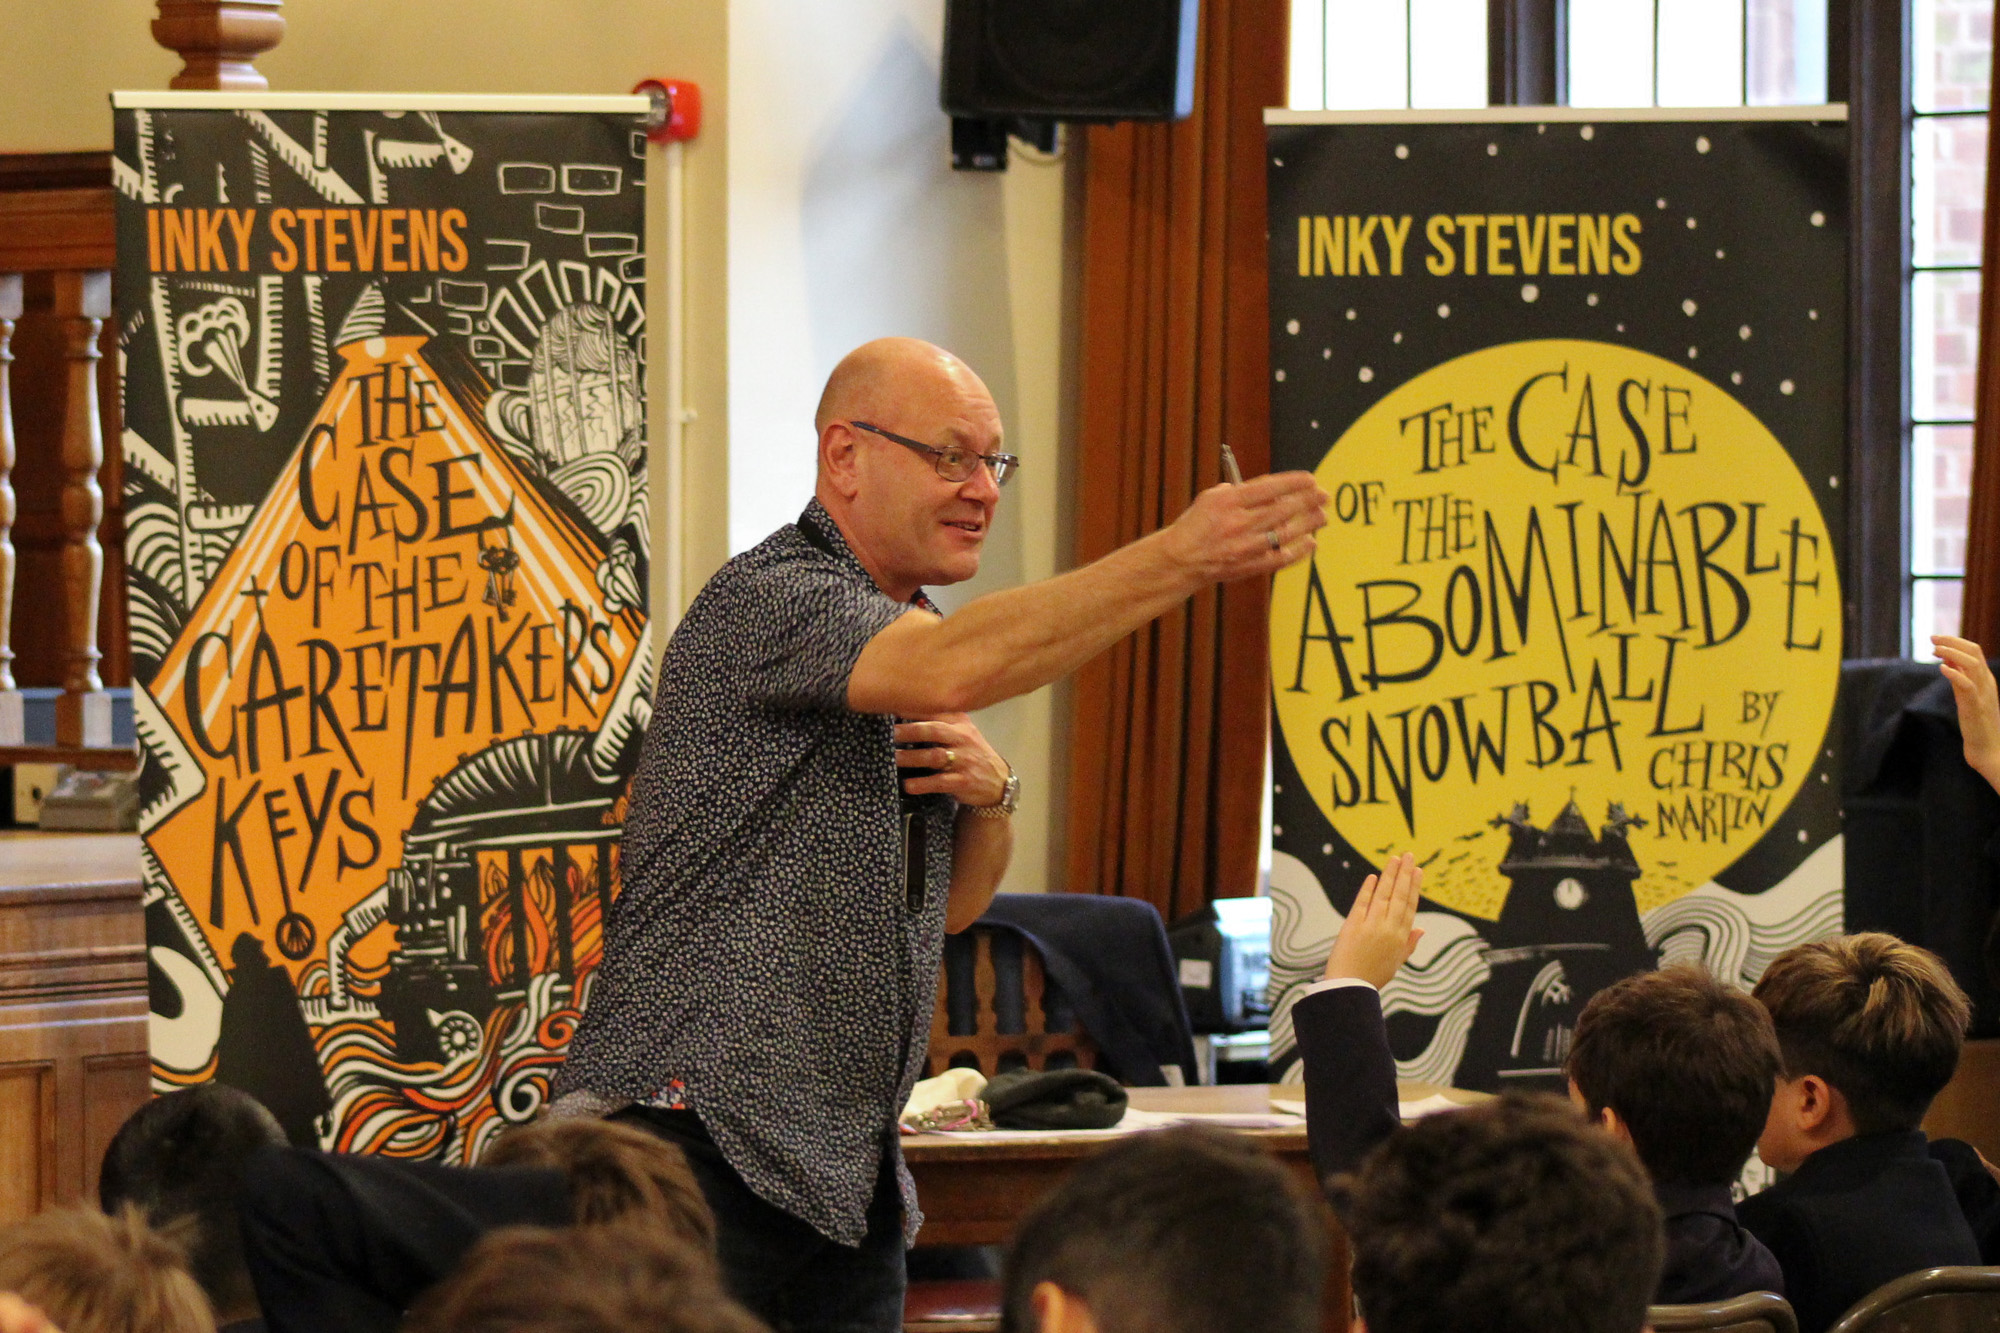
x: 953, y: 463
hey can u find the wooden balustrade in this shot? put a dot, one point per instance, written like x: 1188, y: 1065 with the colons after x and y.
x: 62, y: 605
x: 218, y: 39
x: 62, y: 533
x: 82, y: 304
x: 73, y: 1006
x: 11, y: 719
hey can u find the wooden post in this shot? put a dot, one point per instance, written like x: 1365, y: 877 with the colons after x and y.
x: 12, y: 723
x: 217, y: 40
x: 1979, y: 609
x: 82, y: 302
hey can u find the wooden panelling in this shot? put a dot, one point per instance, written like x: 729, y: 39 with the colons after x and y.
x: 73, y: 1028
x: 1969, y: 1107
x: 113, y: 1086
x: 27, y: 1145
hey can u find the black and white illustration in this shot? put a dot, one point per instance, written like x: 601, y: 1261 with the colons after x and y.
x: 388, y: 542
x: 1577, y: 383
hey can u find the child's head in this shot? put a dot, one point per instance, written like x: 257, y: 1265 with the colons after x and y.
x: 1686, y: 1067
x: 1514, y: 1216
x: 1870, y: 1029
x: 181, y: 1159
x: 93, y: 1273
x: 582, y: 1279
x: 617, y: 1173
x: 1175, y: 1231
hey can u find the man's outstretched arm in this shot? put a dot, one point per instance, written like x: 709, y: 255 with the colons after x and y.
x: 1008, y: 643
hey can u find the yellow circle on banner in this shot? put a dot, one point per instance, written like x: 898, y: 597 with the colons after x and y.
x: 1558, y: 570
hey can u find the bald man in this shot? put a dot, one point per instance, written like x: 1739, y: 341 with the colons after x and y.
x: 770, y: 966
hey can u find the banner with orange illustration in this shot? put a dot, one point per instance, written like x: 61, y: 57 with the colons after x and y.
x: 1576, y: 382
x: 387, y: 548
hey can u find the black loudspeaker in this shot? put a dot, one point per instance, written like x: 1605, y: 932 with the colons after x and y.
x: 1075, y: 60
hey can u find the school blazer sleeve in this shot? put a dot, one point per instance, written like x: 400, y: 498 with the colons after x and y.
x: 1349, y: 1074
x: 343, y: 1244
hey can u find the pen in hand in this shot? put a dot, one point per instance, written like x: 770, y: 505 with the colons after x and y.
x: 1229, y: 468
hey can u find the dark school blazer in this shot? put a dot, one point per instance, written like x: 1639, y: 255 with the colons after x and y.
x: 1855, y: 1215
x: 341, y: 1243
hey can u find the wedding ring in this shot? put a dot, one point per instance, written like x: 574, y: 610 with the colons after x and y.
x: 1272, y: 537
x: 950, y: 760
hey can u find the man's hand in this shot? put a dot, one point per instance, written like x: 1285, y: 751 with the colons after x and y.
x: 969, y: 768
x: 1964, y: 665
x: 1233, y: 532
x: 1379, y: 935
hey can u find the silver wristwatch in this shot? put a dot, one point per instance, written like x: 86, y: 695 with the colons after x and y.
x: 1010, y: 796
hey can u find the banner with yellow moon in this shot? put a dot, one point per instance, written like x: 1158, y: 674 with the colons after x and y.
x: 1576, y: 384
x: 387, y: 540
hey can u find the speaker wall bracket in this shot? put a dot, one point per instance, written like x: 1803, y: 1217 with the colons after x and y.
x: 979, y: 144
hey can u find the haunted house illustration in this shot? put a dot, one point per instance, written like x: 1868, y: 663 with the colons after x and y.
x: 507, y: 873
x: 1569, y: 929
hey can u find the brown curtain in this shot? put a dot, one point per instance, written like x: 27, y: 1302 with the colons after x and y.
x: 1166, y: 783
x: 1979, y: 620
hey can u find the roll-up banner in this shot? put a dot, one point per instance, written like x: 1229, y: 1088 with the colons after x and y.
x: 387, y: 540
x: 1576, y: 382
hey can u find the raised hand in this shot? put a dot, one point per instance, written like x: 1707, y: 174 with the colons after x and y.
x: 1232, y: 532
x: 1379, y: 935
x: 1964, y: 665
x: 967, y: 767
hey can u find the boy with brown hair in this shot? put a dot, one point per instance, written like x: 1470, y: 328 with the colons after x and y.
x: 1514, y: 1216
x: 1675, y: 1064
x: 1682, y: 1067
x: 1870, y: 1030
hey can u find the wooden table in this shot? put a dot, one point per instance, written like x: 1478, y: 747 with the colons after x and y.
x: 73, y: 1031
x: 975, y: 1192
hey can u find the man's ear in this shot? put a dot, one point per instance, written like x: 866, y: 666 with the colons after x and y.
x: 839, y: 450
x: 1059, y: 1311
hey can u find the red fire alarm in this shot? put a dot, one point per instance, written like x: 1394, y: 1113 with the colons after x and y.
x: 676, y: 115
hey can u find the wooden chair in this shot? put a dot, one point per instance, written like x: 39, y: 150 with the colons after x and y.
x: 1936, y: 1300
x: 994, y: 1010
x: 1757, y: 1312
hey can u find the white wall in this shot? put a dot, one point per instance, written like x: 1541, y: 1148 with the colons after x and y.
x: 847, y: 223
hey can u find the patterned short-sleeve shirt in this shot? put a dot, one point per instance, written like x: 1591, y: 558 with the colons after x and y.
x: 768, y: 953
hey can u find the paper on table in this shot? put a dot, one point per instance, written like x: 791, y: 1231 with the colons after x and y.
x: 1416, y: 1110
